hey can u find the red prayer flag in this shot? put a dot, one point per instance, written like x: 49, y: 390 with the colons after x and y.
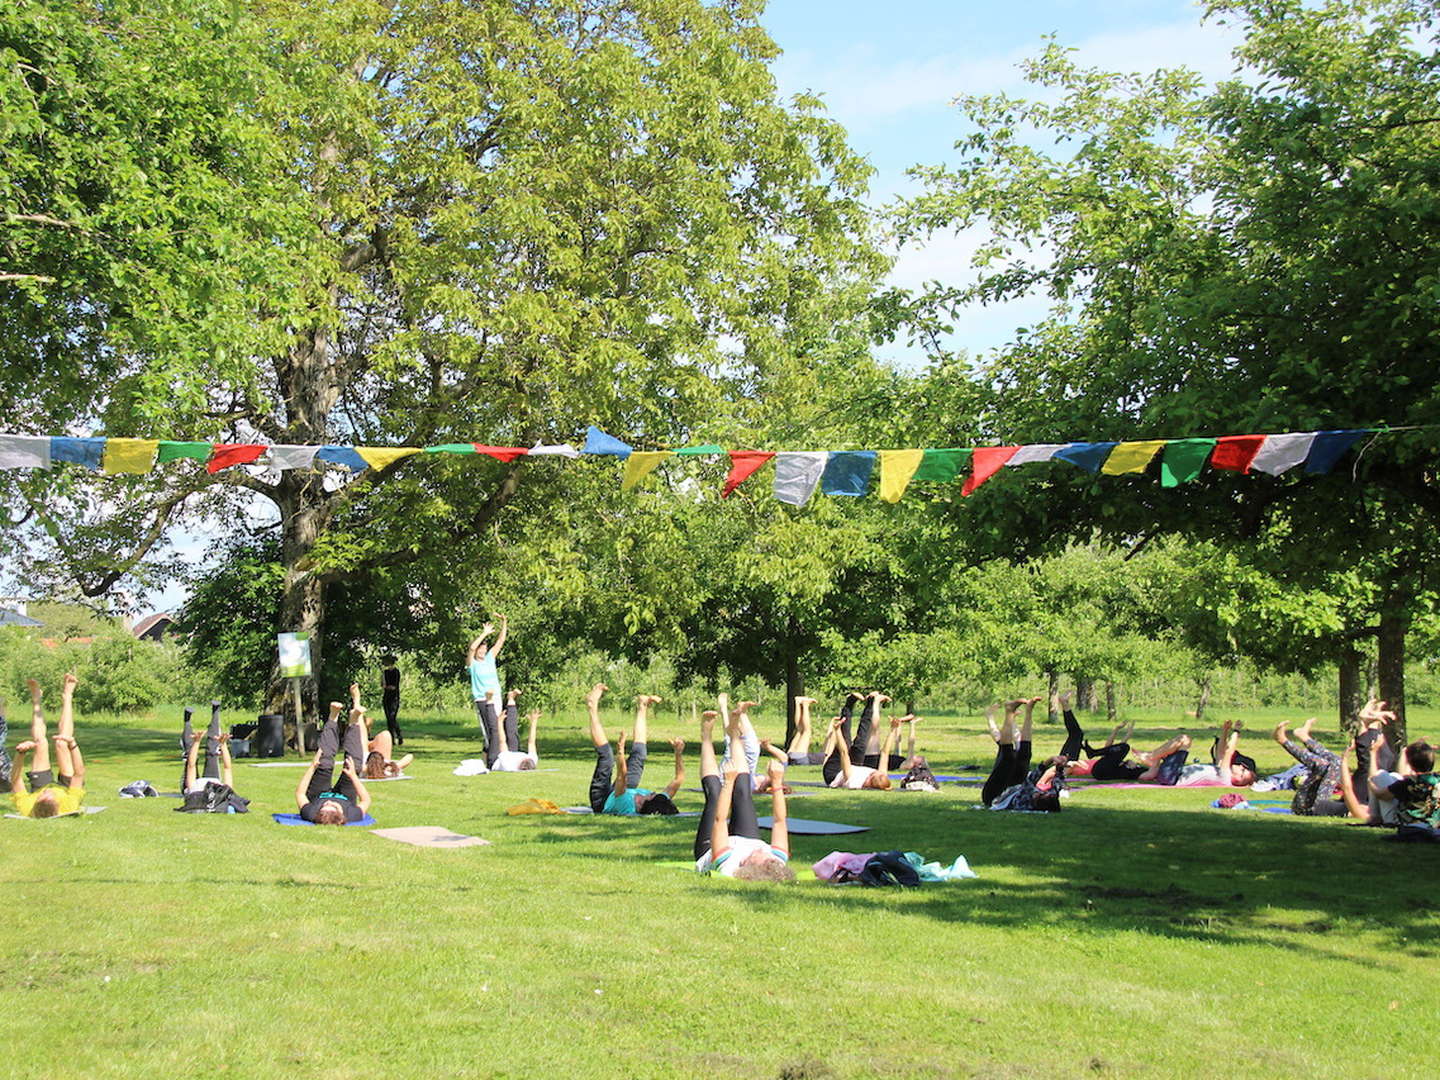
x: 742, y: 464
x: 985, y: 462
x: 501, y: 453
x: 226, y: 454
x: 1235, y: 452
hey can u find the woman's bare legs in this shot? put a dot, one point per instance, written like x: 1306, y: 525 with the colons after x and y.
x: 534, y: 718
x: 598, y: 737
x: 41, y: 759
x: 65, y: 737
x: 1155, y: 758
x: 800, y: 741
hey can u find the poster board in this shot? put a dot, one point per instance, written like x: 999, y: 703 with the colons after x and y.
x: 294, y: 655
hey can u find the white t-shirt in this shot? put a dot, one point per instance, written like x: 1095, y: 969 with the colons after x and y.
x: 858, y: 775
x: 741, y: 848
x: 511, y: 761
x: 202, y: 782
x: 1387, y: 809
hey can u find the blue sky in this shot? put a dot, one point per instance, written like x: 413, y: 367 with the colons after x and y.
x: 889, y: 73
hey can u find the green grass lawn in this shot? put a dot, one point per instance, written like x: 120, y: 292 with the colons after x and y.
x: 1138, y: 933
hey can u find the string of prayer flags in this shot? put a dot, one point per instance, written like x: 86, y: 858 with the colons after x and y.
x: 640, y: 464
x: 742, y: 464
x: 1086, y: 455
x: 797, y: 475
x: 985, y: 462
x: 1131, y: 457
x: 847, y: 472
x: 897, y: 467
x: 1183, y: 459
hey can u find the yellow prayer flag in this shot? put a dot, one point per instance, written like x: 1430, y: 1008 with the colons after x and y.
x: 640, y: 464
x: 1131, y: 457
x: 377, y: 457
x: 129, y: 455
x: 896, y: 469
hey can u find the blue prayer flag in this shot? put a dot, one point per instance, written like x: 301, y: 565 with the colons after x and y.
x: 847, y: 472
x: 1328, y: 448
x: 87, y: 452
x: 1087, y: 455
x: 597, y: 442
x: 342, y: 455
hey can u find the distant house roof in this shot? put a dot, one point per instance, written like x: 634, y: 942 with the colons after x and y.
x: 154, y: 626
x: 14, y: 618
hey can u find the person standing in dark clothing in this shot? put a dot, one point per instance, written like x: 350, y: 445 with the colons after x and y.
x: 390, y: 697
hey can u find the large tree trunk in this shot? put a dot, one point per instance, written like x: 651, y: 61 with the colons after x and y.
x: 1086, y: 696
x: 1110, y: 702
x: 1052, y: 702
x: 1390, y: 668
x: 302, y: 599
x: 1203, y: 700
x: 1352, y: 687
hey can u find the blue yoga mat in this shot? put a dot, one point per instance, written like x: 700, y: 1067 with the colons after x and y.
x: 296, y: 819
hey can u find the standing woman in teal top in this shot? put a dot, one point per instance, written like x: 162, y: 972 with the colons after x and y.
x: 485, y: 686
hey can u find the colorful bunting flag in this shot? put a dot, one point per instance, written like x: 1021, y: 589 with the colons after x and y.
x: 342, y: 455
x: 847, y: 472
x: 291, y: 456
x: 797, y: 474
x: 1328, y: 448
x: 1283, y: 452
x: 1027, y: 455
x: 129, y: 455
x: 1085, y: 455
x: 640, y: 464
x: 85, y: 452
x: 454, y: 448
x: 941, y: 466
x: 896, y: 469
x: 24, y: 451
x: 175, y: 451
x: 597, y: 442
x: 742, y: 464
x: 1235, y: 452
x: 1131, y: 457
x: 378, y: 457
x: 1183, y: 459
x: 506, y: 454
x: 985, y: 463
x: 564, y: 450
x: 697, y: 451
x: 224, y: 455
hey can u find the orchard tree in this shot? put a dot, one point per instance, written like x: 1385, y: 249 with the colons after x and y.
x: 420, y: 224
x: 1254, y: 257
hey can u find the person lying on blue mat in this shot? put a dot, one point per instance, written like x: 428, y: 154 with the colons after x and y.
x: 321, y: 800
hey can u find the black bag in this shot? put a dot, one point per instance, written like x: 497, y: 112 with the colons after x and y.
x: 213, y: 799
x: 920, y: 778
x: 889, y: 868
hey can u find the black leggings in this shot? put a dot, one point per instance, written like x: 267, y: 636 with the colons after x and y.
x: 846, y: 712
x: 330, y: 744
x: 512, y: 726
x: 490, y: 730
x: 1110, y: 764
x: 212, y: 745
x: 1074, y: 738
x: 600, y: 786
x: 390, y: 702
x: 1011, y: 767
x: 743, y: 821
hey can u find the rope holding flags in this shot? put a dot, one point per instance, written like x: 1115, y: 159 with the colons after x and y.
x: 797, y: 473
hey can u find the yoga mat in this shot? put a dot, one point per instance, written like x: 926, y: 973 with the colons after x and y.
x: 278, y: 764
x: 765, y: 795
x: 587, y: 810
x: 806, y: 827
x: 386, y: 779
x: 944, y: 777
x: 296, y: 819
x: 1101, y: 786
x: 74, y: 813
x: 430, y: 836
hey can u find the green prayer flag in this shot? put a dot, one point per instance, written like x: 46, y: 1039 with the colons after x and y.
x: 707, y: 448
x: 452, y: 448
x: 172, y: 451
x: 940, y: 466
x: 1183, y: 459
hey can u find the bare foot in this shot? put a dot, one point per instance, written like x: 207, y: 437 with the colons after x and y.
x: 1303, y: 731
x: 68, y: 684
x: 776, y: 772
x: 511, y: 695
x: 1036, y: 699
x: 336, y: 708
x: 678, y: 745
x: 806, y: 701
x: 34, y: 690
x: 707, y: 724
x: 1279, y: 733
x: 354, y: 693
x: 1015, y: 703
x: 1065, y: 701
x: 593, y: 697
